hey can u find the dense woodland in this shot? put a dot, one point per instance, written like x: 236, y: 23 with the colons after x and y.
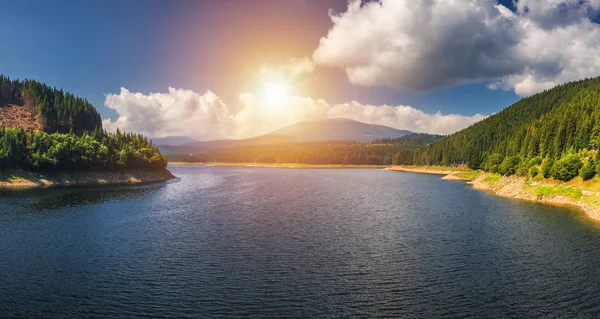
x: 378, y: 152
x: 97, y: 150
x: 58, y: 111
x: 71, y: 135
x: 555, y: 133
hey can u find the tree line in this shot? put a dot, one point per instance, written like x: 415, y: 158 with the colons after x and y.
x: 95, y: 150
x: 377, y: 152
x: 555, y: 133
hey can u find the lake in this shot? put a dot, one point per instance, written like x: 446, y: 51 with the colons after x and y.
x: 241, y: 242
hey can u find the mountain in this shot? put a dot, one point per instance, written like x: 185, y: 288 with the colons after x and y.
x: 307, y: 131
x: 554, y: 128
x: 199, y: 147
x: 338, y: 129
x: 173, y: 140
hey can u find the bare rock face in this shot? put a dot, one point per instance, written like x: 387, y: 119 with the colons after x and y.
x: 19, y: 116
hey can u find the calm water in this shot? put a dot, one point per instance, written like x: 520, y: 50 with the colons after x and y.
x: 262, y: 242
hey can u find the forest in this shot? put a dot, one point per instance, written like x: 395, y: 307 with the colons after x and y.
x: 555, y: 133
x: 71, y: 136
x: 377, y: 152
x: 96, y: 150
x: 58, y: 111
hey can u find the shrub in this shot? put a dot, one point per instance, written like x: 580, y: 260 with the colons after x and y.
x: 588, y: 171
x: 509, y: 165
x: 534, y: 171
x: 567, y: 167
x: 535, y: 161
x: 493, y: 161
x: 547, y: 165
x: 521, y: 171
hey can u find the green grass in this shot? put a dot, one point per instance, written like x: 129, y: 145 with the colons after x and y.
x: 469, y: 175
x: 493, y: 178
x: 549, y: 191
x: 14, y: 176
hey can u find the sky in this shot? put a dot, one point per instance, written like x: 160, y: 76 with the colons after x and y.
x: 235, y: 69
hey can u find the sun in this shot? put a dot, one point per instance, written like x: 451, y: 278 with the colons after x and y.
x: 275, y: 92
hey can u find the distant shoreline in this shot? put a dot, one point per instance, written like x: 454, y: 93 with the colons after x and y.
x: 22, y: 179
x: 276, y: 165
x: 583, y: 194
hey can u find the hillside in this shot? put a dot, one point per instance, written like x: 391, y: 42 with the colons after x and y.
x: 32, y: 105
x: 200, y: 147
x: 338, y: 129
x: 173, y: 140
x: 44, y: 129
x: 19, y: 116
x: 556, y: 131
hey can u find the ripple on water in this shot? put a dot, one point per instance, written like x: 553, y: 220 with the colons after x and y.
x: 256, y: 242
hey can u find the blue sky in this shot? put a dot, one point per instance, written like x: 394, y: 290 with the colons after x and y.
x: 93, y: 48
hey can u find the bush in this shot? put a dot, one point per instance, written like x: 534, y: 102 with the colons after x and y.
x: 588, y: 171
x: 567, y: 167
x: 535, y: 161
x: 509, y: 165
x: 521, y: 171
x: 493, y: 161
x: 534, y: 171
x: 547, y: 165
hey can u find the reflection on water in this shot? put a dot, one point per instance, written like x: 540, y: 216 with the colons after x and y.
x: 40, y: 200
x: 74, y: 198
x: 258, y: 242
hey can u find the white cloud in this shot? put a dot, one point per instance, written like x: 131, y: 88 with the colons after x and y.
x: 205, y: 116
x: 419, y: 45
x: 552, y: 13
x: 295, y: 67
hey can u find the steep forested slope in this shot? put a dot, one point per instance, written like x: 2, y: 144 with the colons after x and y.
x: 555, y: 126
x: 56, y: 110
x: 67, y: 133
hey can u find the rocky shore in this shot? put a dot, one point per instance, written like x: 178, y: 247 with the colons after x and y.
x: 583, y: 194
x: 16, y: 179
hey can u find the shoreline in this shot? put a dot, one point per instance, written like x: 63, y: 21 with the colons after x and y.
x: 583, y: 194
x: 274, y: 165
x: 23, y: 179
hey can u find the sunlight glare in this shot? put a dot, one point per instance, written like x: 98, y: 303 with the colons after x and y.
x: 275, y: 92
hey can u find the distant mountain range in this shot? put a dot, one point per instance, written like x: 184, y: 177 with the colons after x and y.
x: 173, y: 140
x: 338, y: 129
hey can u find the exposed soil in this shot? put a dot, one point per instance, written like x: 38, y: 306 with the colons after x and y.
x: 19, y: 116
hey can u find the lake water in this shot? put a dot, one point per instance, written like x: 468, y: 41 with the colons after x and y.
x: 227, y: 242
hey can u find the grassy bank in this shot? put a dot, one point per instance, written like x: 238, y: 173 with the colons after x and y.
x: 20, y: 179
x: 458, y: 173
x: 278, y: 165
x: 583, y: 194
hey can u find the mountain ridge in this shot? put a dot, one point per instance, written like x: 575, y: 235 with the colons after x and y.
x: 341, y: 129
x: 303, y: 131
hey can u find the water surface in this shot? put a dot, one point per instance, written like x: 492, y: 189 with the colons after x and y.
x: 316, y: 243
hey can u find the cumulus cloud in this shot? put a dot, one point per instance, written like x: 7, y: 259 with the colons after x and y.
x: 205, y: 116
x: 295, y: 67
x: 552, y: 13
x: 420, y: 45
